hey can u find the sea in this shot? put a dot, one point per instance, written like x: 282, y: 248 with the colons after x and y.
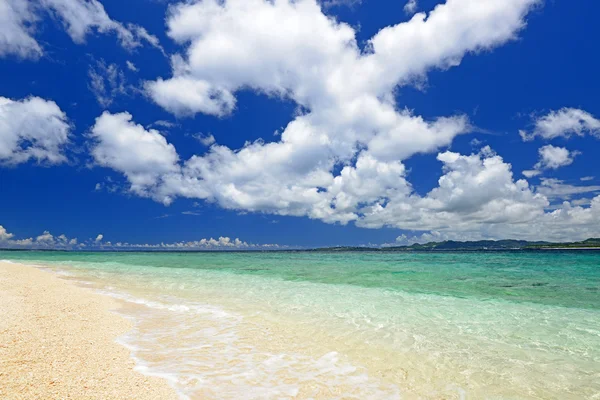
x: 354, y: 325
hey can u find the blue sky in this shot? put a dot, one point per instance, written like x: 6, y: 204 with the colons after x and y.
x: 439, y: 155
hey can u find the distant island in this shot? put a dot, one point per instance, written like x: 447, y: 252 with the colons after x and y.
x: 479, y: 245
x: 447, y: 245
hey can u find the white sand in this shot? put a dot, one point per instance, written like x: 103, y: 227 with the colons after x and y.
x: 57, y: 341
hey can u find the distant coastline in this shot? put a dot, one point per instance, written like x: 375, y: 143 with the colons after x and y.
x: 568, y: 248
x: 445, y: 246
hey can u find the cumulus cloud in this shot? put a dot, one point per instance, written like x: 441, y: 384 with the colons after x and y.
x: 411, y: 7
x: 530, y: 173
x: 183, y: 96
x: 48, y: 241
x: 318, y: 64
x: 206, y: 140
x: 563, y: 123
x: 107, y: 81
x: 4, y: 235
x: 16, y: 32
x: 477, y: 195
x: 222, y: 243
x: 569, y: 221
x: 474, y: 193
x: 551, y: 157
x: 555, y: 157
x: 32, y: 129
x: 144, y: 156
x: 45, y: 237
x: 346, y: 96
x: 44, y: 241
x: 80, y: 18
x: 340, y: 159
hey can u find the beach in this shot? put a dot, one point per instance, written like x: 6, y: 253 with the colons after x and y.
x: 308, y: 325
x: 58, y: 341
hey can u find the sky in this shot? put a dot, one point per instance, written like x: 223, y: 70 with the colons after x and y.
x: 273, y: 124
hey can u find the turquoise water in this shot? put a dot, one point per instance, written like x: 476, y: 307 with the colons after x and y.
x: 355, y: 325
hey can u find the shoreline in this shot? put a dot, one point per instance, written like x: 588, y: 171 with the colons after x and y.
x: 568, y: 248
x: 59, y: 340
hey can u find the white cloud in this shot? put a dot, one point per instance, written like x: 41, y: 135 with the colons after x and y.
x: 82, y: 17
x: 143, y: 35
x: 164, y: 124
x: 4, y: 235
x: 476, y: 196
x: 347, y: 96
x: 21, y: 243
x: 586, y: 178
x: 191, y: 213
x: 206, y: 140
x: 348, y: 120
x: 563, y: 123
x: 18, y: 19
x: 106, y: 82
x: 556, y: 189
x: 569, y: 221
x: 184, y: 96
x: 318, y: 63
x: 142, y: 155
x: 45, y: 238
x: 530, y: 173
x: 44, y: 241
x: 48, y: 241
x: 336, y: 3
x: 552, y: 157
x: 340, y: 159
x: 222, y: 243
x: 15, y: 31
x: 411, y: 7
x: 32, y: 129
x: 555, y: 157
x: 475, y: 193
x: 131, y: 66
x: 476, y: 143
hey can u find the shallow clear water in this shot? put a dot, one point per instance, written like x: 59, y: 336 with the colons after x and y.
x: 356, y: 325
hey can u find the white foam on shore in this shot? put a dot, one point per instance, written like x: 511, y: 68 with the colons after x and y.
x: 197, y: 348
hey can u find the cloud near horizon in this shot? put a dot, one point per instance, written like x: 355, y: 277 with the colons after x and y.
x: 48, y: 241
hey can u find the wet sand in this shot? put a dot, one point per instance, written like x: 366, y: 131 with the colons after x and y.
x: 57, y: 341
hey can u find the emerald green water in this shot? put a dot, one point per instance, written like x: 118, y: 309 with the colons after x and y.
x: 569, y: 279
x: 355, y: 325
